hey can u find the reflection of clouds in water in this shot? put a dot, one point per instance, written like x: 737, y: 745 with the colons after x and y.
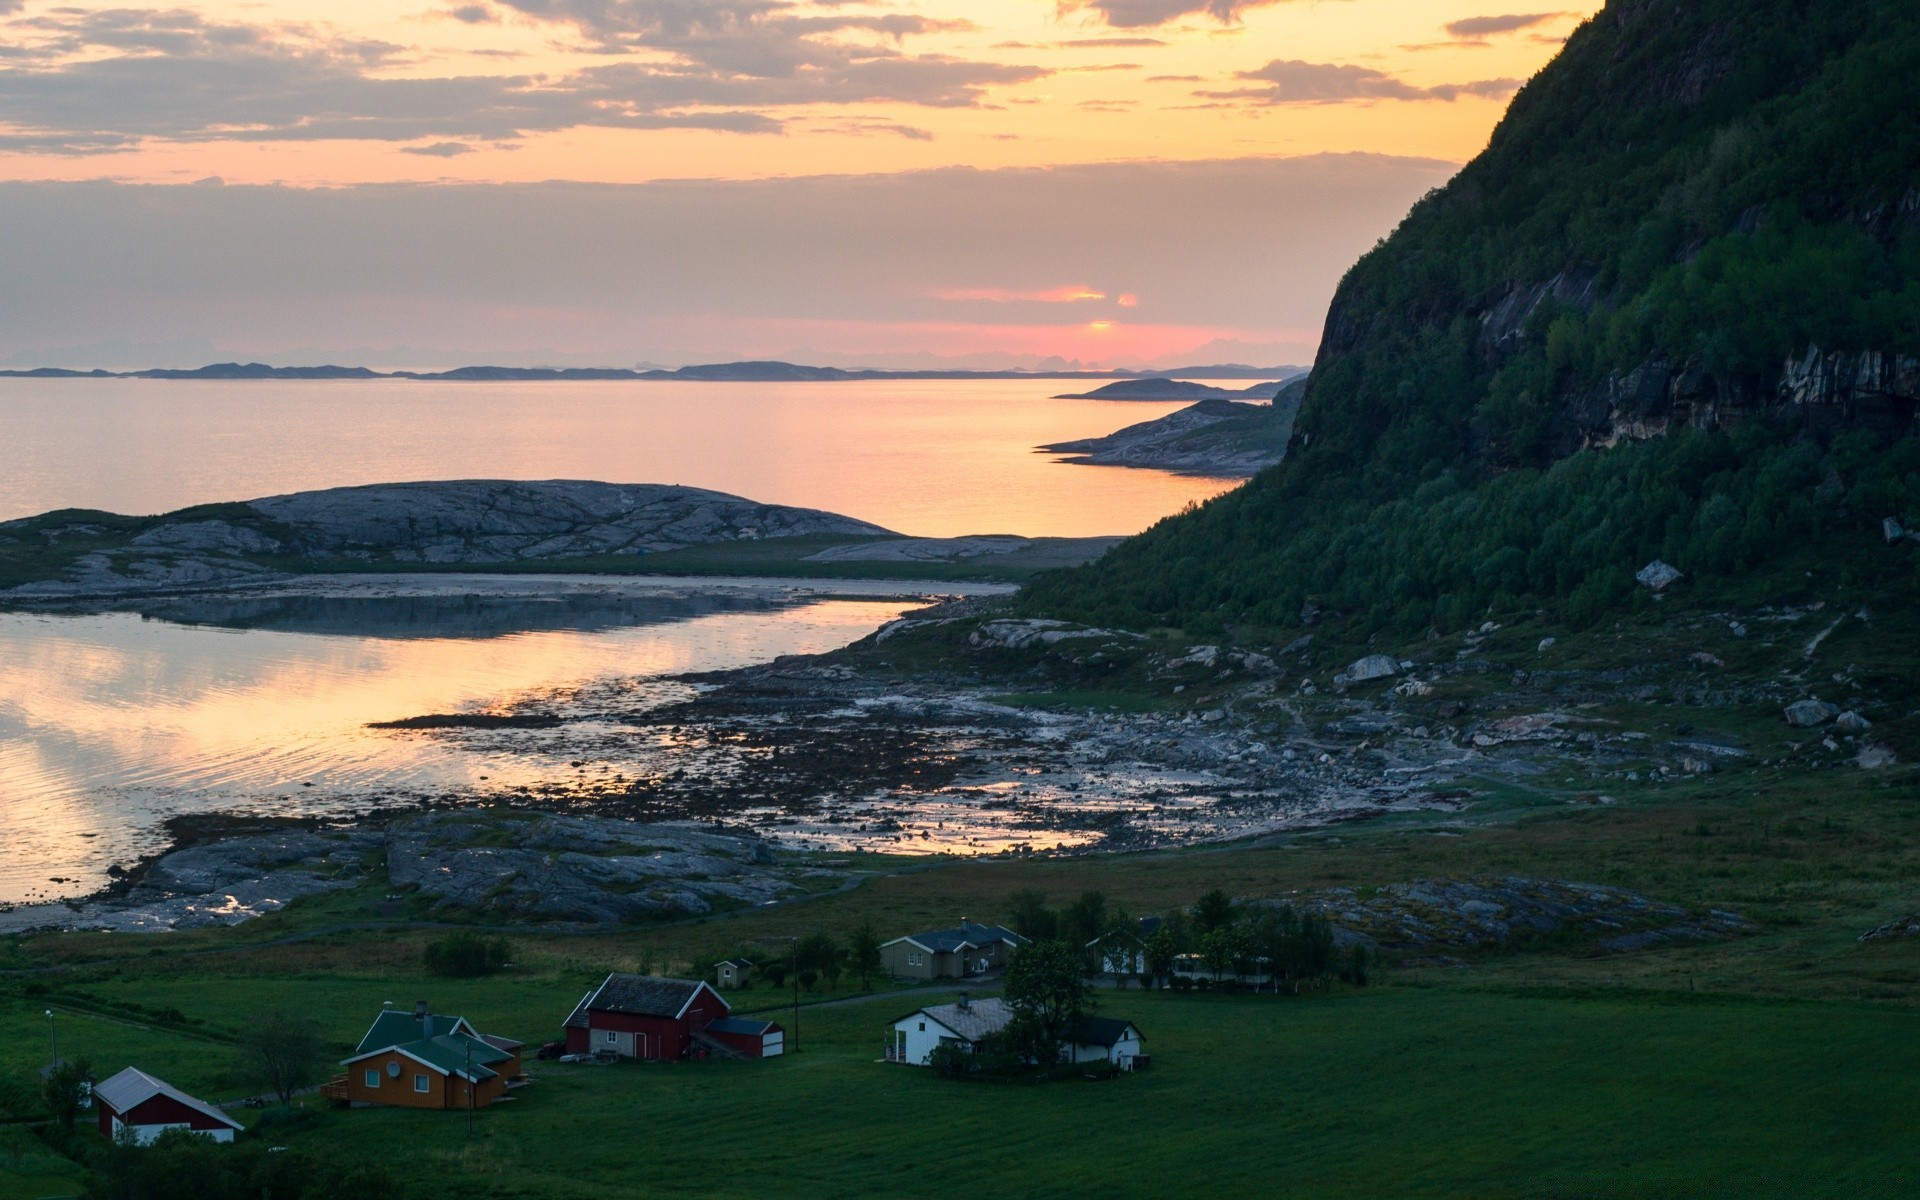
x: 111, y: 722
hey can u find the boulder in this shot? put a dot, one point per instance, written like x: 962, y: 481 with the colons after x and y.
x: 1892, y: 530
x: 1851, y: 722
x: 1373, y: 666
x: 1809, y: 714
x: 1658, y: 576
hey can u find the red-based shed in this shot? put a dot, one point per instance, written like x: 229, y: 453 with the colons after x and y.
x: 148, y: 1107
x: 749, y: 1038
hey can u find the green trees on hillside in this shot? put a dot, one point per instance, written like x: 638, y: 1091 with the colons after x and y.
x: 1571, y: 535
x: 1713, y: 184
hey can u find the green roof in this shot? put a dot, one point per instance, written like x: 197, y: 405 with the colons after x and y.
x: 394, y: 1028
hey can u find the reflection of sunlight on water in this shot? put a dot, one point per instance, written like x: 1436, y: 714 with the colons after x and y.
x: 110, y: 723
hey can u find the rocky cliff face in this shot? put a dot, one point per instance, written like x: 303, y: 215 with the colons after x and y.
x: 1824, y: 393
x: 1694, y: 217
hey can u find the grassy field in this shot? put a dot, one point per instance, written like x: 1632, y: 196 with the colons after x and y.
x: 1393, y: 1091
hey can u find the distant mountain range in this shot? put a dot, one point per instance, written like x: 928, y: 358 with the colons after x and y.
x: 735, y: 372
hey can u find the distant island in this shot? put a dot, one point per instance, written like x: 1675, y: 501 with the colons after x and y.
x: 734, y: 372
x: 1159, y: 388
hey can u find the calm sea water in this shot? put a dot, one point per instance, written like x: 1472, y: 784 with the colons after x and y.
x: 111, y: 723
x: 937, y: 458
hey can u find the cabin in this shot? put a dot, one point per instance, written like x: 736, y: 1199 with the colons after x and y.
x: 734, y: 972
x: 424, y: 1060
x: 967, y: 949
x: 653, y: 1019
x: 966, y: 1022
x: 136, y: 1105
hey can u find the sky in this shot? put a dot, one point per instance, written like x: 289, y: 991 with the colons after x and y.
x: 887, y: 182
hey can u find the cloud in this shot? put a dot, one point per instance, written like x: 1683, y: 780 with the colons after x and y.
x: 1072, y: 294
x: 693, y: 270
x: 178, y: 76
x: 761, y: 38
x: 473, y: 14
x: 1137, y: 14
x: 1481, y: 27
x: 440, y: 149
x: 1290, y: 81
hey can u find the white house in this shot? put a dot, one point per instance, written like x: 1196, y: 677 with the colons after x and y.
x: 963, y: 1024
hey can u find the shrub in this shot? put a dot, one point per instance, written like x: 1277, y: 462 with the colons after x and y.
x: 465, y: 955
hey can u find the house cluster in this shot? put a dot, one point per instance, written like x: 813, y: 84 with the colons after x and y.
x: 969, y: 950
x: 428, y: 1060
x: 967, y: 1022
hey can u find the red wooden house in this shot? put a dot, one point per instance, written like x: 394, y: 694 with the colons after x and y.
x: 663, y: 1020
x: 135, y: 1104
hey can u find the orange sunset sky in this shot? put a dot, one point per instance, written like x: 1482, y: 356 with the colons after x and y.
x: 1270, y: 141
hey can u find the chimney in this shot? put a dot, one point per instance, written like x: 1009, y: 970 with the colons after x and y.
x: 421, y: 1015
x: 966, y: 1001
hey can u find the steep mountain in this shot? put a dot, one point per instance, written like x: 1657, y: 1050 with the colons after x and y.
x: 1672, y: 310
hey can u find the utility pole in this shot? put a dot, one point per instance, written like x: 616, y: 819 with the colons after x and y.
x: 793, y: 975
x: 53, y: 1039
x: 469, y: 1089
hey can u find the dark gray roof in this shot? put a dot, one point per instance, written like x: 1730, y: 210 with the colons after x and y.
x: 641, y: 995
x: 735, y: 962
x: 741, y: 1025
x: 1099, y: 1031
x: 963, y: 935
x: 975, y: 1021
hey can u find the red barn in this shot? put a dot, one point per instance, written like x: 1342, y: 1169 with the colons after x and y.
x: 147, y: 1107
x: 639, y: 1016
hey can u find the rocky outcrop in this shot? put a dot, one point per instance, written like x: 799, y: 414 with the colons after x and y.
x: 478, y: 522
x: 495, y: 521
x: 1479, y: 914
x: 499, y: 864
x: 1222, y: 438
x: 545, y: 866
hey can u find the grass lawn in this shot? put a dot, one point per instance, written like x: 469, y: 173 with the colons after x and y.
x: 1395, y: 1091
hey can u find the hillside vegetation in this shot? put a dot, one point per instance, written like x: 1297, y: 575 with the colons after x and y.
x: 1671, y: 311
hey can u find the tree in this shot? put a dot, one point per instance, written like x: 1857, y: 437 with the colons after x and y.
x: 1047, y: 989
x: 281, y: 1053
x: 1085, y: 919
x: 1215, y: 910
x: 1163, y: 948
x: 64, y: 1090
x: 818, y: 955
x: 463, y: 955
x: 1226, y: 950
x: 863, y: 953
x: 1032, y: 919
x: 1118, y: 946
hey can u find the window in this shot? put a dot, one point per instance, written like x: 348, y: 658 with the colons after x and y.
x: 913, y: 959
x: 923, y: 1027
x: 373, y: 1077
x: 420, y: 1083
x: 612, y: 1036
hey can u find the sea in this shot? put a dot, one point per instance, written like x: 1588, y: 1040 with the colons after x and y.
x: 112, y: 722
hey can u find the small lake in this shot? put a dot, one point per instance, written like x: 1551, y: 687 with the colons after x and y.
x: 937, y: 458
x: 111, y: 723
